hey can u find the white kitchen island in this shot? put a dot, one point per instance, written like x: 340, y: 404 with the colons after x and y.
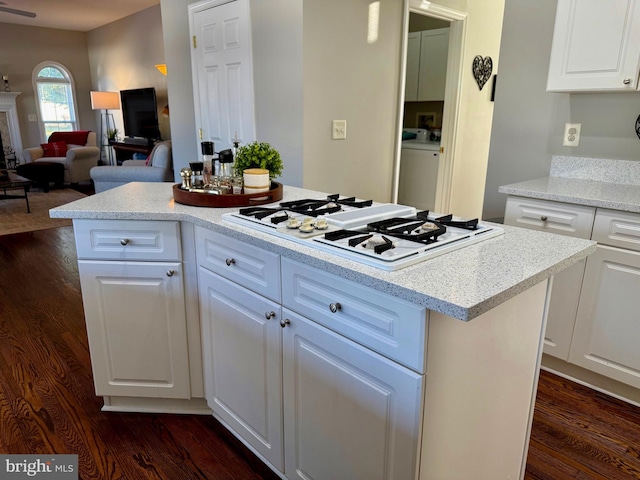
x: 326, y: 368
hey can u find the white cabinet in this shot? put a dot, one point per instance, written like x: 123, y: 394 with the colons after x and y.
x: 596, y: 46
x: 134, y: 310
x: 312, y: 402
x: 427, y: 54
x: 243, y: 362
x: 418, y: 182
x: 608, y: 323
x: 349, y: 413
x: 564, y: 219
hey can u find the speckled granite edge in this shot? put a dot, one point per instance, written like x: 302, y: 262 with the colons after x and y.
x: 579, y: 192
x: 596, y: 169
x: 462, y: 284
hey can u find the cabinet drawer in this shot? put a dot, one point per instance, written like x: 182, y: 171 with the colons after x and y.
x: 248, y: 266
x: 618, y: 229
x: 127, y: 240
x: 388, y: 325
x: 554, y: 217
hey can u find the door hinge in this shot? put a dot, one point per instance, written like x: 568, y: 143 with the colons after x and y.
x: 200, y: 133
x: 195, y: 43
x: 441, y: 149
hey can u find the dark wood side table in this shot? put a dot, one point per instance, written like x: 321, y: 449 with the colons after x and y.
x: 125, y: 151
x: 12, y: 181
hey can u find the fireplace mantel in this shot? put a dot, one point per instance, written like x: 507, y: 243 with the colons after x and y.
x: 10, y: 127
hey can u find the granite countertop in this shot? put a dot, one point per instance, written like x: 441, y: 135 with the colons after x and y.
x: 581, y: 192
x: 462, y: 284
x: 601, y: 183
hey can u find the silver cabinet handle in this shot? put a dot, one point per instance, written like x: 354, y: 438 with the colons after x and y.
x: 269, y: 315
x: 544, y: 218
x: 285, y: 322
x: 626, y: 81
x: 124, y: 241
x: 171, y: 273
x: 334, y: 307
x: 230, y: 261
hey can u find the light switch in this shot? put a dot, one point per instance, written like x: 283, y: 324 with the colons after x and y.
x: 339, y: 130
x: 32, y: 117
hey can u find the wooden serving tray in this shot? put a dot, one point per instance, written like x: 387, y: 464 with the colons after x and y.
x: 196, y: 199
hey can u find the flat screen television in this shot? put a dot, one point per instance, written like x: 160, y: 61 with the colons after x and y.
x: 140, y: 113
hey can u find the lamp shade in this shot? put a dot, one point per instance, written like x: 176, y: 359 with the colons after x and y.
x: 105, y: 101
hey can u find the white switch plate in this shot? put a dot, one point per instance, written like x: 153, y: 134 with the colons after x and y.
x: 32, y: 117
x: 339, y: 130
x: 571, y: 134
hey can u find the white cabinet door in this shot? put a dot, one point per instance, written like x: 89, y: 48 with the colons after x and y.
x: 418, y: 183
x: 563, y: 306
x: 608, y: 323
x: 596, y: 46
x: 136, y: 326
x: 349, y: 413
x: 242, y: 362
x: 413, y: 67
x: 434, y: 51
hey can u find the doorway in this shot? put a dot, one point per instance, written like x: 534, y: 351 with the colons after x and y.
x: 423, y: 174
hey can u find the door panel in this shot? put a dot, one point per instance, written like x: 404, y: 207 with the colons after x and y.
x: 222, y: 72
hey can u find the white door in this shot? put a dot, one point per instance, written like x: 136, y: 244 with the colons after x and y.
x: 349, y: 413
x: 136, y: 326
x: 221, y: 63
x: 242, y: 345
x: 607, y: 330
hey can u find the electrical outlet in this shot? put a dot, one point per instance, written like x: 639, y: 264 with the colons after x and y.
x: 571, y: 134
x: 339, y: 130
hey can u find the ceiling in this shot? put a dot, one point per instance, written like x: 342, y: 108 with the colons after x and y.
x: 79, y: 15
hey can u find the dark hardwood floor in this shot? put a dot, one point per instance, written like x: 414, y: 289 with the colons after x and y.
x: 47, y: 402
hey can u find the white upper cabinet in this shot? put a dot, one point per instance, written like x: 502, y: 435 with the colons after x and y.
x: 427, y: 54
x: 596, y: 46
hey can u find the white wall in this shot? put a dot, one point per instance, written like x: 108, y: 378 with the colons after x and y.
x: 528, y: 122
x: 25, y: 47
x: 277, y: 81
x: 122, y: 56
x: 345, y: 78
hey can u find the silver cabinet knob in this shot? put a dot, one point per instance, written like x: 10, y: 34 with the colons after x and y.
x: 544, y: 218
x: 269, y: 315
x: 171, y: 273
x: 334, y: 307
x: 230, y: 261
x: 285, y: 322
x: 124, y: 241
x: 627, y: 81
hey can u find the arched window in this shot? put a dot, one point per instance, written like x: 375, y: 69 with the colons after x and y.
x: 53, y: 87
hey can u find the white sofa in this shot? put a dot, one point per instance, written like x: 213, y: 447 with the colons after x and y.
x: 160, y: 169
x: 77, y: 162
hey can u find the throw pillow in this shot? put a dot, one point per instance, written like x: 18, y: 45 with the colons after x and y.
x: 147, y: 162
x: 54, y: 149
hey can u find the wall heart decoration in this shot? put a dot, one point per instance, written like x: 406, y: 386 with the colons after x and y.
x: 638, y: 126
x: 482, y: 68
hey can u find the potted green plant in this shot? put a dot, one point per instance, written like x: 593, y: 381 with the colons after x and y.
x: 258, y: 155
x: 112, y: 134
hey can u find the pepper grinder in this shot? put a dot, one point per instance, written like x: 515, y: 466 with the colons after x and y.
x: 207, y: 160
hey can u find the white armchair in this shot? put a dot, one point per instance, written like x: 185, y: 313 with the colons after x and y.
x: 78, y: 159
x: 159, y: 168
